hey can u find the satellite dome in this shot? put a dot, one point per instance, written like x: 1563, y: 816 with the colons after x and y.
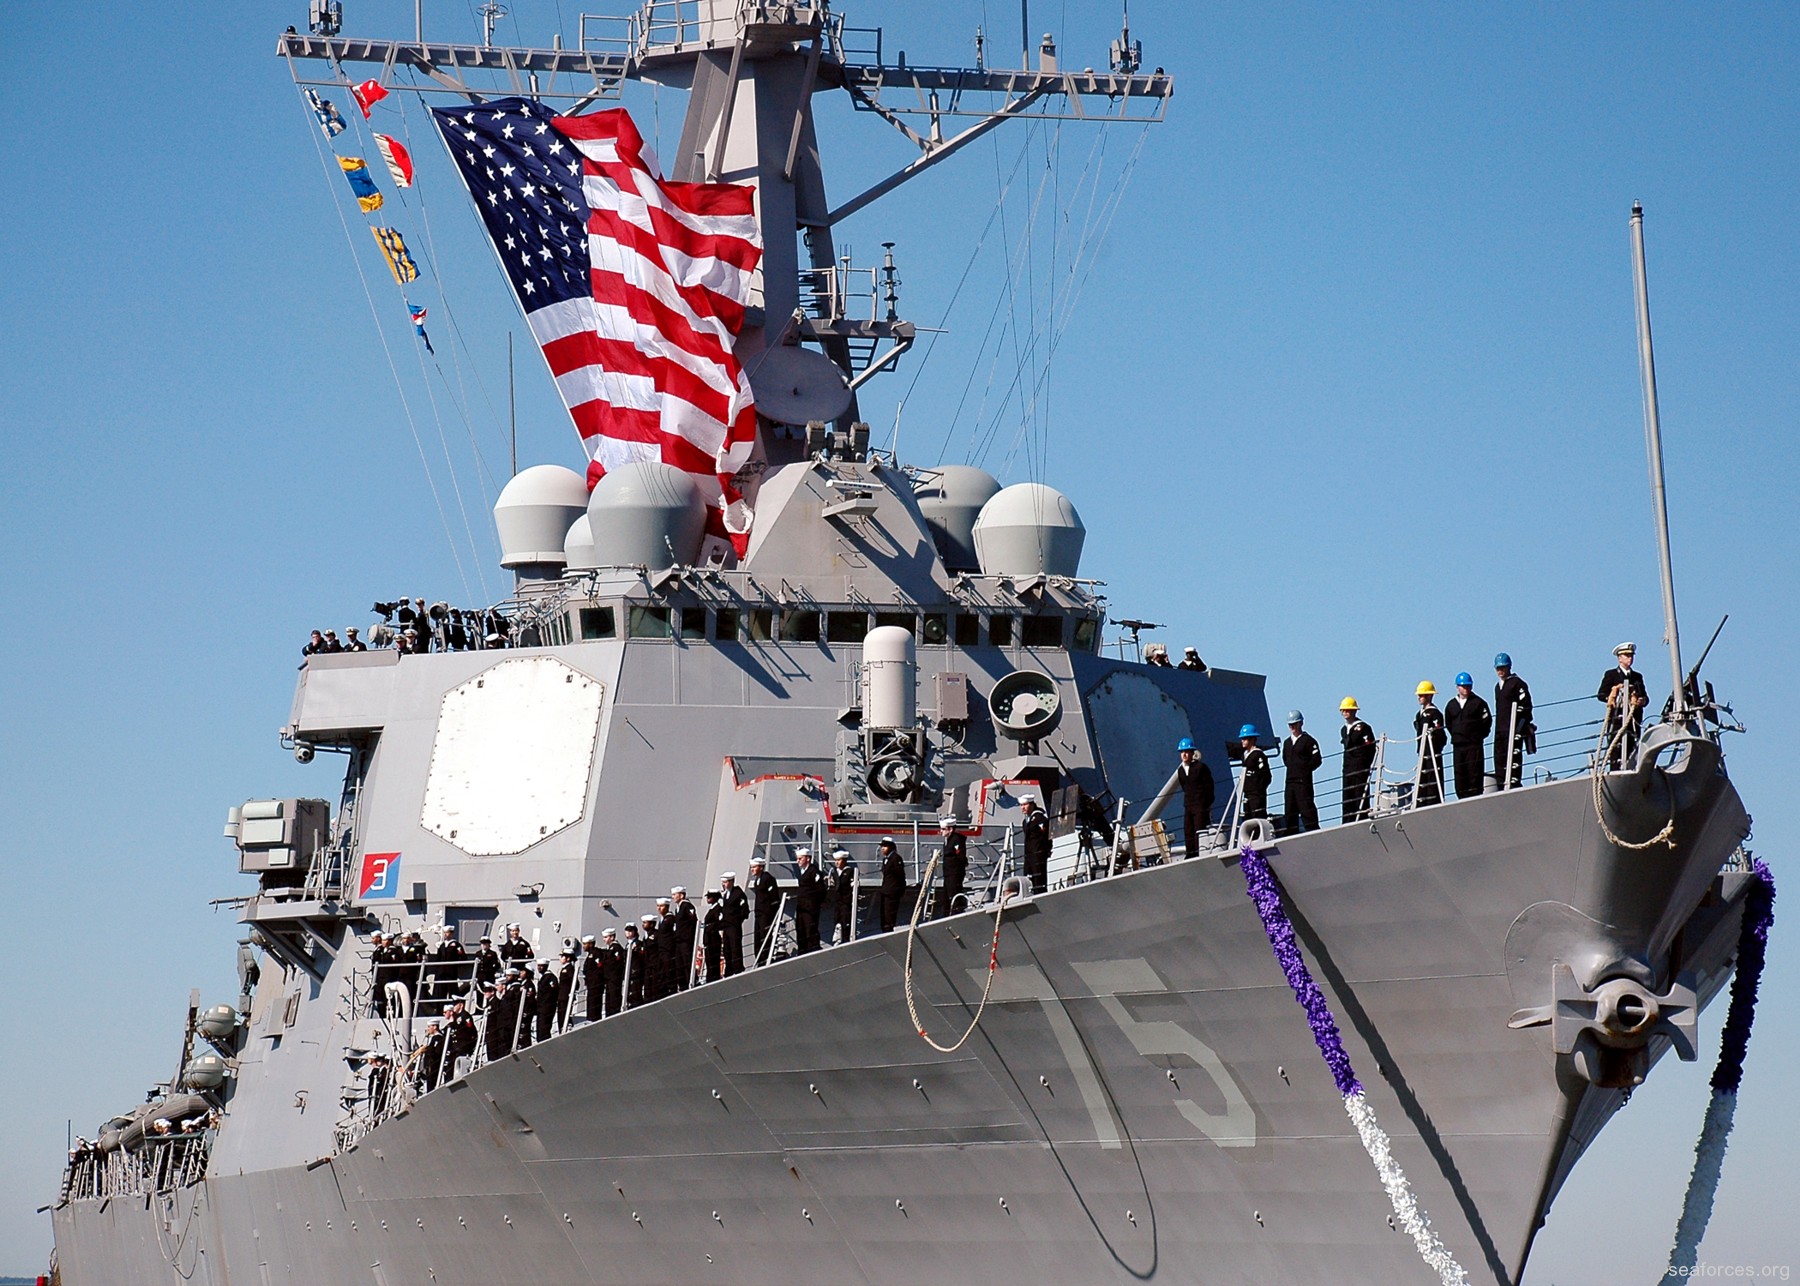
x: 950, y: 498
x: 207, y: 1072
x: 533, y: 516
x: 219, y: 1022
x: 1029, y: 528
x: 578, y: 545
x: 648, y: 513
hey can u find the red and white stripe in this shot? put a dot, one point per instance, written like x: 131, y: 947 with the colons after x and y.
x: 646, y: 365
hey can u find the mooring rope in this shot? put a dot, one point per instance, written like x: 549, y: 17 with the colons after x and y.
x: 1734, y: 1044
x: 1664, y: 836
x: 912, y: 934
x: 1265, y: 892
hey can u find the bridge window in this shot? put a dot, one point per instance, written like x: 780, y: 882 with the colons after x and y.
x: 1000, y: 631
x: 846, y: 627
x: 905, y: 620
x: 799, y: 627
x: 968, y: 629
x: 1087, y: 631
x: 725, y: 625
x: 1043, y: 631
x: 762, y: 625
x: 936, y: 628
x: 647, y: 622
x: 693, y: 622
x: 597, y: 623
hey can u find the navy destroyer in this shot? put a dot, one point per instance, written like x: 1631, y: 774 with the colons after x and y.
x: 1081, y: 1066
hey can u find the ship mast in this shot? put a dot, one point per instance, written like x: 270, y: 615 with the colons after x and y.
x: 1653, y: 445
x: 752, y: 69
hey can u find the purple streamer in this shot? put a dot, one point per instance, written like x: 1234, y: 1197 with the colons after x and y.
x: 1259, y: 883
x: 1721, y: 1109
x: 1753, y: 945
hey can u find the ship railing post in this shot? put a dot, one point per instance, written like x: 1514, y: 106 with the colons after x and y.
x: 1512, y: 745
x: 1234, y: 805
x: 856, y: 896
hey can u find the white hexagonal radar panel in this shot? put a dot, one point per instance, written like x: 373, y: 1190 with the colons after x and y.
x: 513, y: 755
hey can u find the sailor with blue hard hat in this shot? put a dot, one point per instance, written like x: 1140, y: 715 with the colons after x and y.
x: 1255, y: 786
x: 1468, y: 721
x: 1515, y: 735
x: 1301, y: 756
x: 1197, y: 794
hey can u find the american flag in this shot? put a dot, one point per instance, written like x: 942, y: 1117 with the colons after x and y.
x: 634, y: 287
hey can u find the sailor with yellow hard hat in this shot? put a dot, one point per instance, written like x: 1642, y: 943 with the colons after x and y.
x: 1359, y: 759
x: 1428, y: 727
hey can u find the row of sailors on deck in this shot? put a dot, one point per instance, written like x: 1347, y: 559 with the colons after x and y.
x: 1464, y: 722
x: 526, y: 999
x: 439, y: 628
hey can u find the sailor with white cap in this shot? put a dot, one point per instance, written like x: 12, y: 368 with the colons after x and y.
x: 844, y: 890
x: 448, y: 969
x: 1622, y: 689
x: 735, y: 909
x: 608, y: 997
x: 515, y: 948
x: 384, y: 957
x: 953, y: 857
x: 893, y: 882
x: 712, y: 936
x: 1035, y: 828
x: 591, y: 968
x: 632, y: 945
x: 642, y: 976
x: 809, y: 893
x: 667, y: 955
x: 687, y: 931
x: 765, y: 897
x: 1190, y: 659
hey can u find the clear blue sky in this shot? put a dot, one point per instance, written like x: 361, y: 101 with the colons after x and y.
x: 1350, y: 399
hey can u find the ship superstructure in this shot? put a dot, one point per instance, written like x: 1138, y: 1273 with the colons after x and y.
x: 892, y: 644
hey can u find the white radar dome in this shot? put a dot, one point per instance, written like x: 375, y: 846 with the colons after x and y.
x: 890, y: 678
x: 533, y: 516
x: 1029, y: 528
x: 647, y: 513
x: 950, y: 498
x: 578, y: 545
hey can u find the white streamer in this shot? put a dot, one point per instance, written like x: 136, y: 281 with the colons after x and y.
x: 1413, y: 1220
x: 1696, y: 1211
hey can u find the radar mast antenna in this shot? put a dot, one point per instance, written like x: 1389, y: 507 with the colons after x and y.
x: 491, y: 12
x: 1127, y: 54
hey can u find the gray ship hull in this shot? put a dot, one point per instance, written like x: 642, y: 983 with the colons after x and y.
x: 1142, y: 1099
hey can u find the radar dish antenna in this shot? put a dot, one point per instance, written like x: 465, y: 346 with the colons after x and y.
x: 795, y: 385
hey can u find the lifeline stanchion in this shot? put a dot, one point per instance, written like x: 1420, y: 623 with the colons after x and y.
x: 1259, y: 883
x: 1734, y: 1044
